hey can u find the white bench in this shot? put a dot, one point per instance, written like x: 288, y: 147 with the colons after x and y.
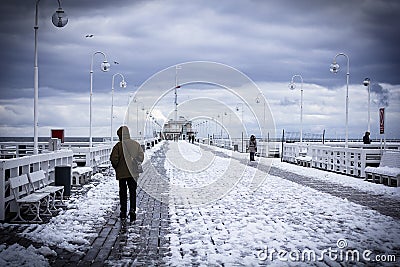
x: 40, y: 184
x: 388, y: 170
x: 81, y: 175
x: 27, y: 198
x: 304, y: 161
x: 104, y: 168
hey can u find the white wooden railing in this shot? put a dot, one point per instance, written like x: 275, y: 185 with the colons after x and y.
x: 336, y: 157
x: 92, y: 156
x: 350, y: 161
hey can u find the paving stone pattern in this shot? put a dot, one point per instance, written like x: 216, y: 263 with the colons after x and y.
x: 384, y: 205
x: 144, y: 242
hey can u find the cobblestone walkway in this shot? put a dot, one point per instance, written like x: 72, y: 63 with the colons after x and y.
x: 144, y: 242
x: 140, y: 243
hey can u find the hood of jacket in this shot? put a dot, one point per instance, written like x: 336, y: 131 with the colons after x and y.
x: 123, y: 133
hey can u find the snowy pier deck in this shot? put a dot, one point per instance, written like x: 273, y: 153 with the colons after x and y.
x: 265, y: 207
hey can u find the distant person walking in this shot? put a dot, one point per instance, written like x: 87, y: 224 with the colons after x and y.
x: 366, y: 138
x: 252, y: 147
x: 122, y: 158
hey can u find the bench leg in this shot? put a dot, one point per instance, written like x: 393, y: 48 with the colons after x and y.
x: 32, y: 207
x: 18, y: 218
x: 53, y: 202
x: 47, y: 207
x: 38, y: 213
x: 75, y: 180
x: 61, y: 196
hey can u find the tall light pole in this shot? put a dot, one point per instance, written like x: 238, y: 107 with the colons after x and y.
x: 105, y: 66
x: 176, y: 93
x: 258, y: 100
x: 334, y: 68
x: 59, y: 19
x: 122, y: 84
x: 367, y: 82
x: 292, y: 86
x: 135, y: 100
x: 237, y: 109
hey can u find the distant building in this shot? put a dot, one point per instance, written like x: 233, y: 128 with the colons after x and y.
x: 179, y: 129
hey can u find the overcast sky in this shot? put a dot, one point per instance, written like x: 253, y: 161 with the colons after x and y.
x: 267, y: 41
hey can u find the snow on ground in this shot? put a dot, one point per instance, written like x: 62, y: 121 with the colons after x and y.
x: 72, y: 228
x: 247, y: 228
x: 357, y: 183
x: 16, y: 255
x: 201, y: 167
x: 242, y: 227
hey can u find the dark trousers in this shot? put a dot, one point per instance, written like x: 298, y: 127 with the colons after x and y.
x: 123, y: 195
x: 252, y: 156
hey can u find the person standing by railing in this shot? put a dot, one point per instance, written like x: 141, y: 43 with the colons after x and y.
x: 123, y: 157
x: 366, y: 138
x: 252, y: 147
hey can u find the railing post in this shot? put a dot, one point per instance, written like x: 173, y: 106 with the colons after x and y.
x: 2, y: 191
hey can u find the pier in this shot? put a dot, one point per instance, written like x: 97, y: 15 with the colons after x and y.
x: 172, y: 230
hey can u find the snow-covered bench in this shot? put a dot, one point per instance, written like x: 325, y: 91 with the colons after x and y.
x: 40, y: 184
x: 81, y: 175
x: 388, y: 170
x: 304, y: 161
x: 104, y: 168
x: 27, y: 198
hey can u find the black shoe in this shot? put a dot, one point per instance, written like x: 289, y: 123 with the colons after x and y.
x: 132, y: 216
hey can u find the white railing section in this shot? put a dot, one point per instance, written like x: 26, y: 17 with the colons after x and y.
x: 264, y: 148
x: 19, y: 149
x: 92, y: 156
x: 17, y: 166
x: 336, y: 157
x: 293, y: 150
x: 350, y: 161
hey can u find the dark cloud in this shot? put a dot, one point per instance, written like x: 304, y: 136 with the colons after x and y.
x: 268, y: 40
x: 382, y: 94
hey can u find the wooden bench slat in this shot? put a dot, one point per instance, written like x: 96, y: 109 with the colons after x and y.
x: 33, y: 198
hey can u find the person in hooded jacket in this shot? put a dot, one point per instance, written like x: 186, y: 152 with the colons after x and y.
x: 122, y: 158
x: 252, y: 147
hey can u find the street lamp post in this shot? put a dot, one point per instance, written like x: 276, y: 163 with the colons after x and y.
x: 367, y: 82
x: 105, y: 66
x: 258, y: 100
x: 292, y: 86
x: 135, y: 100
x: 334, y: 68
x: 240, y: 108
x: 59, y: 19
x: 177, y: 67
x: 237, y: 109
x: 122, y: 84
